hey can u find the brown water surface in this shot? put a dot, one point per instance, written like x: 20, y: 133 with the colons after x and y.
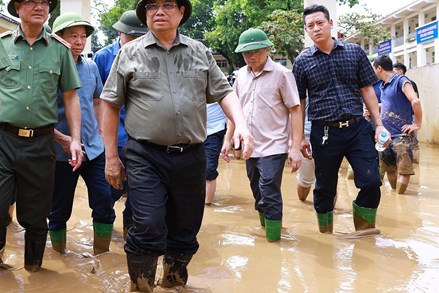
x: 234, y: 255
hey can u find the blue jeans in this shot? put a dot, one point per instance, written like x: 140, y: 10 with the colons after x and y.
x: 356, y: 143
x: 265, y: 175
x: 167, y: 193
x: 213, y: 144
x: 99, y: 195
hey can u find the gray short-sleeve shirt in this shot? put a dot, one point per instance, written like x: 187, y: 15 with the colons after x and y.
x: 165, y: 91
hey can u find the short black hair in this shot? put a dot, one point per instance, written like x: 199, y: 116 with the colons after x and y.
x: 384, y: 61
x: 400, y: 66
x: 313, y: 9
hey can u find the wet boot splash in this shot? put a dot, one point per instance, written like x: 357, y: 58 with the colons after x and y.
x: 142, y: 270
x: 102, y: 237
x: 326, y: 222
x: 175, y: 270
x: 58, y: 239
x: 364, y: 218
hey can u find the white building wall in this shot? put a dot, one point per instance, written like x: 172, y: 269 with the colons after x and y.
x: 83, y: 7
x: 332, y: 7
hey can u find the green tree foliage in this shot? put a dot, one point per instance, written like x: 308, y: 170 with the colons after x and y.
x: 232, y: 17
x: 108, y: 18
x: 285, y: 30
x: 365, y: 24
x: 351, y: 3
x: 201, y: 20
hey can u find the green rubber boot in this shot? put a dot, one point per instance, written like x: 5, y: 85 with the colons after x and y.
x: 102, y: 237
x: 273, y: 229
x: 364, y: 218
x: 58, y: 239
x: 262, y: 218
x: 326, y: 222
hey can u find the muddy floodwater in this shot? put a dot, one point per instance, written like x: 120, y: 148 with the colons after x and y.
x: 234, y: 255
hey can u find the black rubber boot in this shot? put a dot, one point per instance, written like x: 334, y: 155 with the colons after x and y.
x: 175, y: 270
x: 34, y: 246
x: 142, y: 269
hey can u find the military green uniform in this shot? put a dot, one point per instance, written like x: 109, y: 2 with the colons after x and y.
x: 30, y: 76
x: 4, y: 57
x: 28, y: 86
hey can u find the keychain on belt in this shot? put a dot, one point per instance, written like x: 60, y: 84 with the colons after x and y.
x: 325, y: 136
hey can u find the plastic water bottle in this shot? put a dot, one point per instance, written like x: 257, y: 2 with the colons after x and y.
x: 382, y: 140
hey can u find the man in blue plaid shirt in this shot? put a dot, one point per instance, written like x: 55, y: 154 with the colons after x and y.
x: 337, y: 77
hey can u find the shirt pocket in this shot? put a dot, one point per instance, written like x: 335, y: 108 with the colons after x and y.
x: 196, y: 80
x: 10, y: 76
x: 48, y: 77
x: 148, y: 84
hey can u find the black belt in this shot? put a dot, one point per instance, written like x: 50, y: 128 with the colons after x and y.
x: 339, y: 124
x: 171, y: 149
x: 27, y: 132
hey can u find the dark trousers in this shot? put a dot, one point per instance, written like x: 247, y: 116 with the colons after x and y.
x: 27, y: 168
x: 213, y: 145
x: 356, y: 143
x: 167, y: 193
x: 265, y: 175
x: 99, y: 195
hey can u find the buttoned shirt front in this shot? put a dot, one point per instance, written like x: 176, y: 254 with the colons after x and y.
x: 90, y: 90
x: 266, y: 99
x: 165, y: 91
x: 28, y: 87
x: 333, y: 81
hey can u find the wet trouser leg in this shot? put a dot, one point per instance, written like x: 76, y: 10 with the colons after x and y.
x: 265, y: 175
x: 62, y: 203
x: 167, y: 193
x: 356, y: 143
x: 34, y: 172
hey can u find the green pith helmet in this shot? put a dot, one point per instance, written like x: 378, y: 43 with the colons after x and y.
x: 141, y: 10
x: 129, y: 24
x: 252, y: 39
x: 71, y: 19
x: 11, y: 7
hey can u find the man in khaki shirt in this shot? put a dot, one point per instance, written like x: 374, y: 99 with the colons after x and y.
x: 164, y: 79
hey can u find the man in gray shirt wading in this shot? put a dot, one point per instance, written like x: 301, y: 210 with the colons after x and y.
x: 164, y: 79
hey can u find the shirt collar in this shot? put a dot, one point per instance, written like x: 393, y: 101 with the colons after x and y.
x: 268, y: 66
x: 149, y: 39
x: 18, y: 34
x: 337, y: 43
x: 394, y: 75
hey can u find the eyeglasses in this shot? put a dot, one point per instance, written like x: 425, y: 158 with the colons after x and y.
x: 34, y: 3
x: 252, y: 52
x: 154, y: 7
